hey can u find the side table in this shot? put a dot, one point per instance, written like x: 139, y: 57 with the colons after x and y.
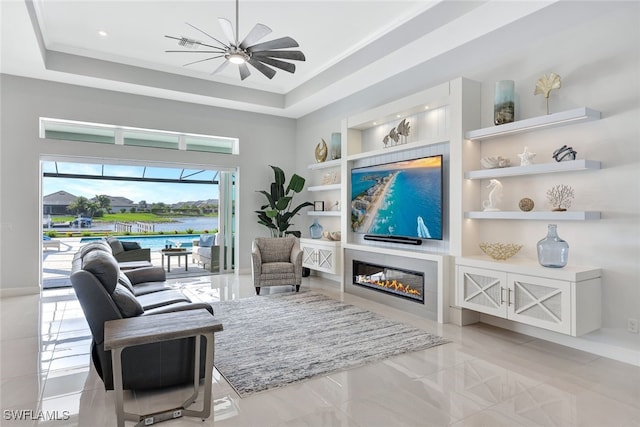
x: 122, y: 333
x: 175, y: 253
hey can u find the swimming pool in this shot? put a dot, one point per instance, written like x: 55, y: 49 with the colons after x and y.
x: 155, y: 242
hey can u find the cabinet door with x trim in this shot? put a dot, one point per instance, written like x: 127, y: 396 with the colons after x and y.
x: 482, y: 290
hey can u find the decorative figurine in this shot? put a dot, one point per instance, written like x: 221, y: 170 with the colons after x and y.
x: 495, y: 196
x: 546, y: 84
x: 494, y: 162
x: 401, y: 130
x: 321, y: 151
x: 564, y: 153
x: 526, y: 158
x: 560, y: 197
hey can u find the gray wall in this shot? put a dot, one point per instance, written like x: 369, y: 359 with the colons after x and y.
x: 264, y: 140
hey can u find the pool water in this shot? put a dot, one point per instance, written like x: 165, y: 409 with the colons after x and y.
x: 156, y: 242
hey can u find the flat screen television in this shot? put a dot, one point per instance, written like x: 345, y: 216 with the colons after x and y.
x: 399, y: 199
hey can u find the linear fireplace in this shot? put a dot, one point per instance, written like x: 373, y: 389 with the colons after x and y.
x: 400, y: 282
x: 395, y: 278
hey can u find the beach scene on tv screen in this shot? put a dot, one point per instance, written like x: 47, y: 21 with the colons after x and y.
x: 398, y: 199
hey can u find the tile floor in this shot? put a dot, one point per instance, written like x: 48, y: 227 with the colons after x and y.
x: 485, y: 377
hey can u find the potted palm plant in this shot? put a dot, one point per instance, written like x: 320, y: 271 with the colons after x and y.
x: 277, y: 213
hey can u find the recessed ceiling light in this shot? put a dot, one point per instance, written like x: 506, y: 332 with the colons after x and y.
x: 102, y: 33
x: 375, y: 123
x: 426, y: 107
x: 398, y: 115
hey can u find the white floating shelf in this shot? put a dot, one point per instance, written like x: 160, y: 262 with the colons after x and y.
x: 399, y: 148
x: 563, y: 118
x: 323, y: 213
x: 546, y: 216
x: 325, y: 165
x: 324, y: 187
x: 567, y: 166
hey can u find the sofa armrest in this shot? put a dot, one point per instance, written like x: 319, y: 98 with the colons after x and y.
x: 146, y: 274
x: 256, y: 264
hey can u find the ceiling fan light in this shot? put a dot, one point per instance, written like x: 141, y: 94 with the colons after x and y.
x: 236, y: 58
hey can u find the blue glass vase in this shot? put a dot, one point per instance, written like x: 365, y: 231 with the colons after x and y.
x: 315, y: 229
x: 553, y: 252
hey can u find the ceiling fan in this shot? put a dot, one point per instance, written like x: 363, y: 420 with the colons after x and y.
x: 262, y: 56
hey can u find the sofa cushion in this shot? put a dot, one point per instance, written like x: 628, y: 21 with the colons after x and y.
x: 277, y: 268
x: 207, y: 240
x: 124, y: 281
x: 126, y: 302
x: 130, y: 246
x: 160, y: 299
x: 116, y: 245
x: 104, y: 267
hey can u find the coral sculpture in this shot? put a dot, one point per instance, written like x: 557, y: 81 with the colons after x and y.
x: 560, y: 197
x: 546, y: 84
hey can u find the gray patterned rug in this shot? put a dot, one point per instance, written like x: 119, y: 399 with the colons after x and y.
x: 276, y: 340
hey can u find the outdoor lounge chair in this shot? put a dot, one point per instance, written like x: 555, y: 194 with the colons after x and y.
x: 49, y: 243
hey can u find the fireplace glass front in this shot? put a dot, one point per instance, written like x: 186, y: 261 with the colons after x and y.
x: 402, y: 283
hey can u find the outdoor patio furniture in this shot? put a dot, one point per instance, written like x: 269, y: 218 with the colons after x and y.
x: 128, y: 251
x: 49, y: 243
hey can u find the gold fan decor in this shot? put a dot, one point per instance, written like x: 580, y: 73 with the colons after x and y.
x: 546, y: 84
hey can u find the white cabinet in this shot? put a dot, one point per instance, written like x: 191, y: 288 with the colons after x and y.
x: 564, y: 300
x: 321, y: 255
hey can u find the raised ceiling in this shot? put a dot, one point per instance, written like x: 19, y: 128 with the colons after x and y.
x: 349, y: 45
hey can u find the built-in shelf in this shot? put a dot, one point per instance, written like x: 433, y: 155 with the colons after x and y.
x: 323, y: 213
x: 567, y: 166
x: 399, y: 148
x: 563, y: 118
x: 326, y: 187
x: 546, y: 216
x: 325, y: 165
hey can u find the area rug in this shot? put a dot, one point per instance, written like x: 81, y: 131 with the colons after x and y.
x: 276, y: 340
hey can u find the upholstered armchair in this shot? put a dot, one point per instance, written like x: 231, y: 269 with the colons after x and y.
x: 276, y: 261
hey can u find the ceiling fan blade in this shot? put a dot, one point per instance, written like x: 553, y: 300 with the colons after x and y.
x: 256, y: 33
x: 295, y: 55
x: 191, y: 43
x: 227, y: 29
x: 281, y: 43
x: 244, y: 71
x: 278, y: 64
x: 267, y: 71
x: 203, y: 60
x: 220, y: 68
x: 207, y: 34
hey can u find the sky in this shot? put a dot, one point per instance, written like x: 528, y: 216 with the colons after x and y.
x: 134, y: 191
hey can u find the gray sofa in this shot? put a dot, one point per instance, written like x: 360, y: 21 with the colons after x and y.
x: 106, y: 293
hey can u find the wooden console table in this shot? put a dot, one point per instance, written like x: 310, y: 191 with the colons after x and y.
x: 122, y: 333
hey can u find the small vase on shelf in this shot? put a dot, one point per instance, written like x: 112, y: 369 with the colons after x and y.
x: 553, y: 251
x: 504, y: 102
x: 315, y: 229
